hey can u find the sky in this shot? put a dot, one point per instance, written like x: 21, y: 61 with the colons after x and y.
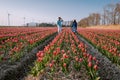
x: 24, y: 11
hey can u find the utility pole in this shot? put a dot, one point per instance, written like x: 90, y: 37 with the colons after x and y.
x: 9, y: 19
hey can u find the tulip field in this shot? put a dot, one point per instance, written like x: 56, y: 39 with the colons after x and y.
x: 89, y: 54
x: 64, y: 54
x: 107, y: 41
x: 15, y: 41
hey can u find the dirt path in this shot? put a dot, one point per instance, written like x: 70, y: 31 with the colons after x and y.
x: 107, y: 70
x: 17, y: 70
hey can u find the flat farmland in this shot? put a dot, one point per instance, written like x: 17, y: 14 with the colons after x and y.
x: 42, y: 53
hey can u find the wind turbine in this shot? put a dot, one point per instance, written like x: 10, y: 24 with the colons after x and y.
x: 9, y: 19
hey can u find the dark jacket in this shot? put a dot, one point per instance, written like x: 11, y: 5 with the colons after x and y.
x: 74, y: 24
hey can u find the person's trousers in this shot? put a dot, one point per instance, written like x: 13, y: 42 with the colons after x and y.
x: 59, y: 29
x: 73, y: 29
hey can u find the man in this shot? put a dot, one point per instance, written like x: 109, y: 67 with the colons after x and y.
x: 59, y: 24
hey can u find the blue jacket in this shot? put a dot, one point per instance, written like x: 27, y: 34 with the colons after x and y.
x: 59, y: 23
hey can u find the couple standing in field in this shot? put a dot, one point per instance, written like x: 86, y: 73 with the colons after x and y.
x: 73, y: 25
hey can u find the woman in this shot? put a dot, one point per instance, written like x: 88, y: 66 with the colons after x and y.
x: 59, y: 24
x: 74, y: 26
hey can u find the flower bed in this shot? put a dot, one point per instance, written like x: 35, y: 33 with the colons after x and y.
x: 65, y: 58
x: 14, y: 42
x: 19, y: 69
x: 107, y: 41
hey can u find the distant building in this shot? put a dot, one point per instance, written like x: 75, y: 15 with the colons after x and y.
x: 32, y: 24
x: 67, y: 23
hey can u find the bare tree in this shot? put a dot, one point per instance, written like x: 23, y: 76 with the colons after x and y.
x: 92, y: 20
x: 111, y: 15
x: 83, y: 22
x: 117, y: 10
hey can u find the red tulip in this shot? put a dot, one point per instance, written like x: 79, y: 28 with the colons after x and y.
x: 53, y: 61
x: 89, y: 64
x: 94, y: 58
x: 0, y: 46
x: 65, y: 55
x: 46, y: 48
x: 50, y: 64
x: 68, y: 51
x: 80, y: 60
x: 95, y: 67
x: 85, y: 54
x: 64, y: 64
x: 40, y: 54
x: 80, y: 45
x: 119, y: 55
x: 54, y: 53
x: 5, y: 58
x: 63, y: 51
x: 83, y: 50
x: 76, y: 58
x: 97, y: 61
x: 39, y: 59
x: 58, y: 48
x: 88, y: 54
x: 90, y: 58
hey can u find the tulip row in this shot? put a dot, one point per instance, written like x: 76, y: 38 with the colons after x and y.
x: 17, y: 42
x: 65, y: 53
x: 107, y: 41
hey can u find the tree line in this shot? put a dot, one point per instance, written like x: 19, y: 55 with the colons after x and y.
x: 46, y: 25
x: 110, y: 15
